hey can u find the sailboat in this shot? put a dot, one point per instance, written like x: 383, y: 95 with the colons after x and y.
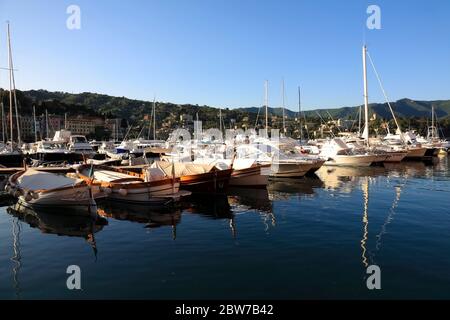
x: 10, y: 152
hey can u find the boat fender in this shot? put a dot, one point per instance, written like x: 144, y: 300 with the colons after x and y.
x: 123, y: 192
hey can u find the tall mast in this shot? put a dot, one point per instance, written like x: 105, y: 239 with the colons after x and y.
x: 154, y: 118
x: 282, y: 98
x: 266, y: 102
x: 46, y: 124
x: 34, y: 122
x: 3, y: 122
x: 432, y: 122
x: 65, y: 120
x: 12, y: 86
x: 300, y: 114
x: 220, y: 119
x: 359, y: 121
x: 10, y: 93
x: 366, y: 97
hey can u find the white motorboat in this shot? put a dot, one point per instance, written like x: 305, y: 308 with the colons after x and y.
x: 338, y: 153
x: 44, y: 190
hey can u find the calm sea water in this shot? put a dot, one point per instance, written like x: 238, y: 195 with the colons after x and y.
x: 307, y: 238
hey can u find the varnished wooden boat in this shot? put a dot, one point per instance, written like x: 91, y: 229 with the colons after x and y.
x: 127, y: 186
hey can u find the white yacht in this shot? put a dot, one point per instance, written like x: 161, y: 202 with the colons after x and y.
x: 338, y: 153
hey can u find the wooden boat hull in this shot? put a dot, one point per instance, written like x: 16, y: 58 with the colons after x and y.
x: 157, y: 192
x: 134, y: 189
x: 211, y: 182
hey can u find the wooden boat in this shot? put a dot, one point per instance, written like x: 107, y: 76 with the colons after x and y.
x: 67, y: 195
x: 153, y: 187
x: 198, y: 178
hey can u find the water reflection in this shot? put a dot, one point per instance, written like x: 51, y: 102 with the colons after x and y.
x: 61, y: 225
x: 150, y: 216
x: 286, y: 188
x: 17, y: 256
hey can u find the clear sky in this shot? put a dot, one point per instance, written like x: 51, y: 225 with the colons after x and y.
x: 219, y: 52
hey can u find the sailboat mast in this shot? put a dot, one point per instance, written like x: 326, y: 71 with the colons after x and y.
x: 432, y: 122
x: 10, y: 92
x: 359, y: 121
x: 34, y: 122
x: 266, y: 102
x: 46, y: 124
x: 282, y: 98
x: 154, y: 118
x: 3, y: 122
x: 366, y: 97
x: 220, y: 119
x: 300, y: 114
x: 13, y: 85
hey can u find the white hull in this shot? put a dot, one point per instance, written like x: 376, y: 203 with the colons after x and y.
x: 70, y: 201
x: 395, y: 156
x: 289, y: 170
x: 416, y: 153
x: 250, y: 177
x: 352, y: 160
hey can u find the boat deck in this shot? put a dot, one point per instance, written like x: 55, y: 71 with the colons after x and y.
x: 46, y: 169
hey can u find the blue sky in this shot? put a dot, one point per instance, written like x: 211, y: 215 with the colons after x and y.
x: 219, y: 52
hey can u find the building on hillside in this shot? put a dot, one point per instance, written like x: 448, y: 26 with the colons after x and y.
x: 84, y: 125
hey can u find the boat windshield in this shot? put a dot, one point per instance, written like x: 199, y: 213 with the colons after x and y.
x: 79, y: 139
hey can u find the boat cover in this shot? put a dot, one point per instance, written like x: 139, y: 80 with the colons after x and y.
x: 33, y: 179
x: 182, y: 168
x: 223, y: 164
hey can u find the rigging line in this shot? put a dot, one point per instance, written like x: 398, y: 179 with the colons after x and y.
x: 257, y: 115
x: 333, y: 121
x: 382, y: 89
x: 322, y: 120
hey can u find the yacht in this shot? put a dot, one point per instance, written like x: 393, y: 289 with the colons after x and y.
x: 79, y: 146
x: 338, y: 153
